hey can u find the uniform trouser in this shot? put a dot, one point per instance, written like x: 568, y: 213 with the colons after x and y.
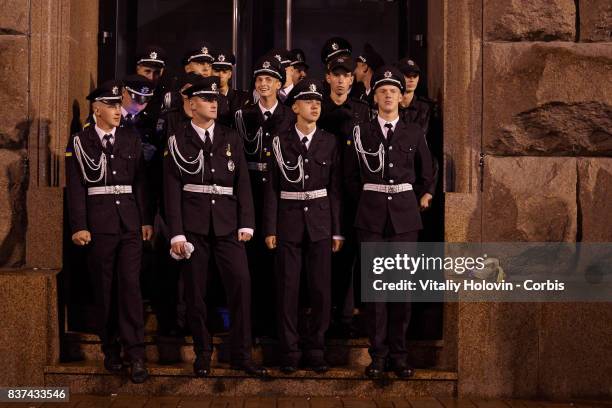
x: 230, y: 256
x: 387, y: 322
x: 317, y: 268
x: 114, y: 263
x: 343, y: 283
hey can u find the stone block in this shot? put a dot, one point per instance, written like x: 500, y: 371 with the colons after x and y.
x: 13, y: 91
x: 529, y: 20
x: 529, y: 199
x: 14, y: 19
x: 595, y: 198
x: 595, y: 20
x: 13, y: 213
x: 547, y: 99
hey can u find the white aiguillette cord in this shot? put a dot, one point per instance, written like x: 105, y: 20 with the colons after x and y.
x: 89, y: 162
x: 361, y: 151
x: 241, y: 127
x: 174, y: 152
x: 278, y: 155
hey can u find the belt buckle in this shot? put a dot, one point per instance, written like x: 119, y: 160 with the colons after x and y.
x: 392, y: 189
x: 215, y: 190
x: 306, y: 196
x: 117, y: 189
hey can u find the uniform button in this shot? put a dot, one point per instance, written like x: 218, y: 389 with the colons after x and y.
x: 212, y: 170
x: 305, y: 208
x: 390, y: 164
x: 212, y: 201
x: 390, y: 147
x: 391, y: 181
x: 211, y: 155
x: 389, y: 198
x: 114, y: 172
x: 307, y: 177
x: 117, y: 202
x: 263, y: 179
x: 112, y: 156
x: 305, y: 160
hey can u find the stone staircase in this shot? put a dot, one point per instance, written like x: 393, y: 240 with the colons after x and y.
x: 170, y: 360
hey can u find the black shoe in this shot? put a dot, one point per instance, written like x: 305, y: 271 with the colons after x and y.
x: 401, y: 369
x: 138, y: 372
x: 113, y: 363
x: 288, y: 369
x: 318, y: 365
x: 201, y: 366
x: 375, y: 369
x: 251, y: 369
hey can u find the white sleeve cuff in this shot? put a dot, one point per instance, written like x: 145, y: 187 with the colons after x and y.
x: 250, y: 231
x: 178, y: 238
x: 338, y: 237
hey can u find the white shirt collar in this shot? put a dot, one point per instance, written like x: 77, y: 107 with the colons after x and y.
x: 271, y: 110
x: 101, y: 133
x: 308, y: 136
x: 383, y: 122
x: 202, y: 132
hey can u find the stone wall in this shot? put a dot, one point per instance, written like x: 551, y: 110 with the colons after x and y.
x: 528, y: 107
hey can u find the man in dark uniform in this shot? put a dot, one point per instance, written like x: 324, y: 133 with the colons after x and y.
x: 105, y: 184
x: 234, y: 99
x: 302, y: 221
x: 300, y: 67
x: 209, y: 208
x: 385, y: 159
x: 284, y: 59
x: 151, y: 64
x: 339, y: 115
x: 199, y: 59
x: 258, y: 124
x: 335, y: 47
x: 367, y: 63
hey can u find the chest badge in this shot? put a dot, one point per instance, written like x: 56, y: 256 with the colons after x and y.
x: 230, y: 165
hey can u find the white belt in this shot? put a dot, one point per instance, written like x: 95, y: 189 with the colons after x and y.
x: 257, y: 166
x: 109, y: 190
x: 387, y: 188
x: 208, y: 189
x: 303, y: 195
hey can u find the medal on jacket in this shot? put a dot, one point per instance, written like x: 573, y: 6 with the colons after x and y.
x: 230, y: 163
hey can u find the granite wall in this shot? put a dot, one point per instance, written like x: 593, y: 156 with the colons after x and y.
x: 528, y: 143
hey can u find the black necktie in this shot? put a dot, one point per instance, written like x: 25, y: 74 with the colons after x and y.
x: 207, y: 142
x: 108, y: 145
x: 304, y: 141
x: 267, y: 114
x: 389, y: 127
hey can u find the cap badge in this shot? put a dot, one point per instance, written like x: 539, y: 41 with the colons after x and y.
x: 115, y: 90
x: 266, y: 64
x: 221, y: 58
x: 153, y: 55
x: 335, y: 46
x: 213, y: 86
x: 388, y: 74
x: 410, y: 62
x: 341, y: 60
x: 145, y: 89
x: 204, y: 50
x: 299, y: 57
x: 313, y: 88
x: 278, y: 57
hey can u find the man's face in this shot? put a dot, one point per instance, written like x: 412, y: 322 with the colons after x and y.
x: 201, y: 68
x: 224, y: 76
x: 387, y: 97
x: 340, y: 81
x: 299, y: 73
x: 266, y: 85
x: 204, y: 108
x: 107, y: 115
x: 360, y: 71
x: 412, y: 81
x: 151, y: 73
x: 307, y: 109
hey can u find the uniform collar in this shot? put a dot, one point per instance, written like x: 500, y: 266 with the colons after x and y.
x: 383, y: 122
x: 102, y: 133
x: 202, y: 132
x: 307, y: 136
x: 271, y: 110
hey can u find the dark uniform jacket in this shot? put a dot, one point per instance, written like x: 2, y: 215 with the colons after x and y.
x: 407, y: 160
x: 106, y: 213
x: 340, y: 120
x: 224, y: 166
x: 230, y: 103
x: 320, y: 217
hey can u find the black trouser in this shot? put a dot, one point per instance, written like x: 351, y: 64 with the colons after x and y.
x: 114, y: 263
x: 317, y: 268
x: 343, y: 283
x: 387, y: 322
x: 230, y: 256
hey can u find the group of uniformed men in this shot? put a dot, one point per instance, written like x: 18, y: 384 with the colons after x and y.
x: 275, y: 185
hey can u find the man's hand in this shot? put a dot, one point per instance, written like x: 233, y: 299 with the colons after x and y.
x: 425, y: 201
x: 81, y: 238
x: 271, y: 241
x: 179, y: 248
x: 244, y: 236
x: 337, y: 244
x: 147, y: 232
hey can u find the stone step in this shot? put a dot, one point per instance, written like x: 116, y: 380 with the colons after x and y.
x: 90, y: 378
x: 159, y: 349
